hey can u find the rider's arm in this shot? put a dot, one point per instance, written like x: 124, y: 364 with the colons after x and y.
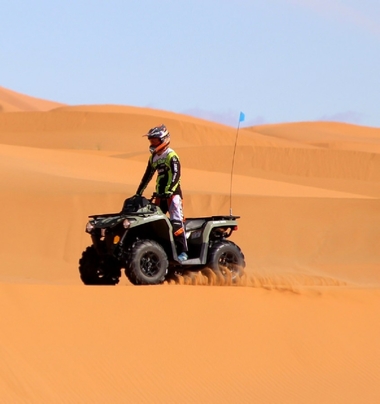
x: 149, y: 172
x: 175, y: 168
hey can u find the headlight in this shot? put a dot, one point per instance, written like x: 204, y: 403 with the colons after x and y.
x: 89, y: 227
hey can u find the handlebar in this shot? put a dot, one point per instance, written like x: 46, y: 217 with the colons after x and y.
x: 160, y: 196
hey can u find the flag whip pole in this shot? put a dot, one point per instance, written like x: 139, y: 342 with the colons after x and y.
x: 241, y: 119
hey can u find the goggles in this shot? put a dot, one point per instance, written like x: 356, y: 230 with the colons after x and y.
x: 155, y: 141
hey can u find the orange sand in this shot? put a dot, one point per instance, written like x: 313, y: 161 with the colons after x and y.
x: 302, y: 326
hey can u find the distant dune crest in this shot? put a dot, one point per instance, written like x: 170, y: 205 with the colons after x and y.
x: 11, y: 101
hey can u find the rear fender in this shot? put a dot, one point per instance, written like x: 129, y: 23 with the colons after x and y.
x: 215, y: 230
x: 218, y: 229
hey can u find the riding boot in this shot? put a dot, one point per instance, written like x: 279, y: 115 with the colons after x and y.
x: 179, y: 236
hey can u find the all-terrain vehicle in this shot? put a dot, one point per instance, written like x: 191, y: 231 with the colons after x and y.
x: 140, y: 240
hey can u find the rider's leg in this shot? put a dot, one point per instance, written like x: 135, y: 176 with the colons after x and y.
x: 176, y: 218
x: 162, y: 203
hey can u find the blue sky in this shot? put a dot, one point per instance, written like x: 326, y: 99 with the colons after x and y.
x: 275, y: 60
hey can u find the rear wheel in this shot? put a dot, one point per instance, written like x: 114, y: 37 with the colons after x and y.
x: 147, y: 263
x: 226, y: 258
x: 96, y: 271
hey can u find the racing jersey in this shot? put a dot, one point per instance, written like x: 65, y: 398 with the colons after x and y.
x: 168, y: 170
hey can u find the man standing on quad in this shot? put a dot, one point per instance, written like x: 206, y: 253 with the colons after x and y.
x: 165, y: 161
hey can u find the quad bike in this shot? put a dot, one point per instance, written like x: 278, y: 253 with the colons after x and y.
x: 140, y: 240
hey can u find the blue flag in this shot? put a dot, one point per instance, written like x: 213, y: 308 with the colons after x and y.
x: 241, y: 117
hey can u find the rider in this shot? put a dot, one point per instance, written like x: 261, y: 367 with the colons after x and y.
x: 165, y: 161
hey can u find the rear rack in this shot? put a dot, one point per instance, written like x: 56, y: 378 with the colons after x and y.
x: 208, y: 218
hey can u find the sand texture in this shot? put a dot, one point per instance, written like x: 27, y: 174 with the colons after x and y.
x: 301, y: 326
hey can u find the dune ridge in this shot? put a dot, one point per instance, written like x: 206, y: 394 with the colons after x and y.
x: 10, y: 101
x: 300, y: 326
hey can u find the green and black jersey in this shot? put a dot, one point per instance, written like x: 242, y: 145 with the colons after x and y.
x: 168, y: 170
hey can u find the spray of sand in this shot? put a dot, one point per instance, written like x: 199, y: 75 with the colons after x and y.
x: 284, y: 282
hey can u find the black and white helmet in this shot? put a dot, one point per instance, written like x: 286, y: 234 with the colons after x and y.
x: 162, y: 134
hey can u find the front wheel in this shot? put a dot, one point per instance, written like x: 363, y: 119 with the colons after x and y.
x: 147, y: 263
x: 226, y: 257
x: 96, y: 271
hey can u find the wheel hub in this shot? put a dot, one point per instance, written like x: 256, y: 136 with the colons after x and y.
x: 150, y: 264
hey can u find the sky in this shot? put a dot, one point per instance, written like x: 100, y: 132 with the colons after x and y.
x: 275, y: 60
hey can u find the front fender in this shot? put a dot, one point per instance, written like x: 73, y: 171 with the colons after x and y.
x: 157, y: 229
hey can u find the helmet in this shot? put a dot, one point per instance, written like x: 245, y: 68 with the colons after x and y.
x: 162, y: 134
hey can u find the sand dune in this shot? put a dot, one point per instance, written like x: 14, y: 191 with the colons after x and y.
x: 300, y: 326
x: 10, y: 101
x: 331, y: 135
